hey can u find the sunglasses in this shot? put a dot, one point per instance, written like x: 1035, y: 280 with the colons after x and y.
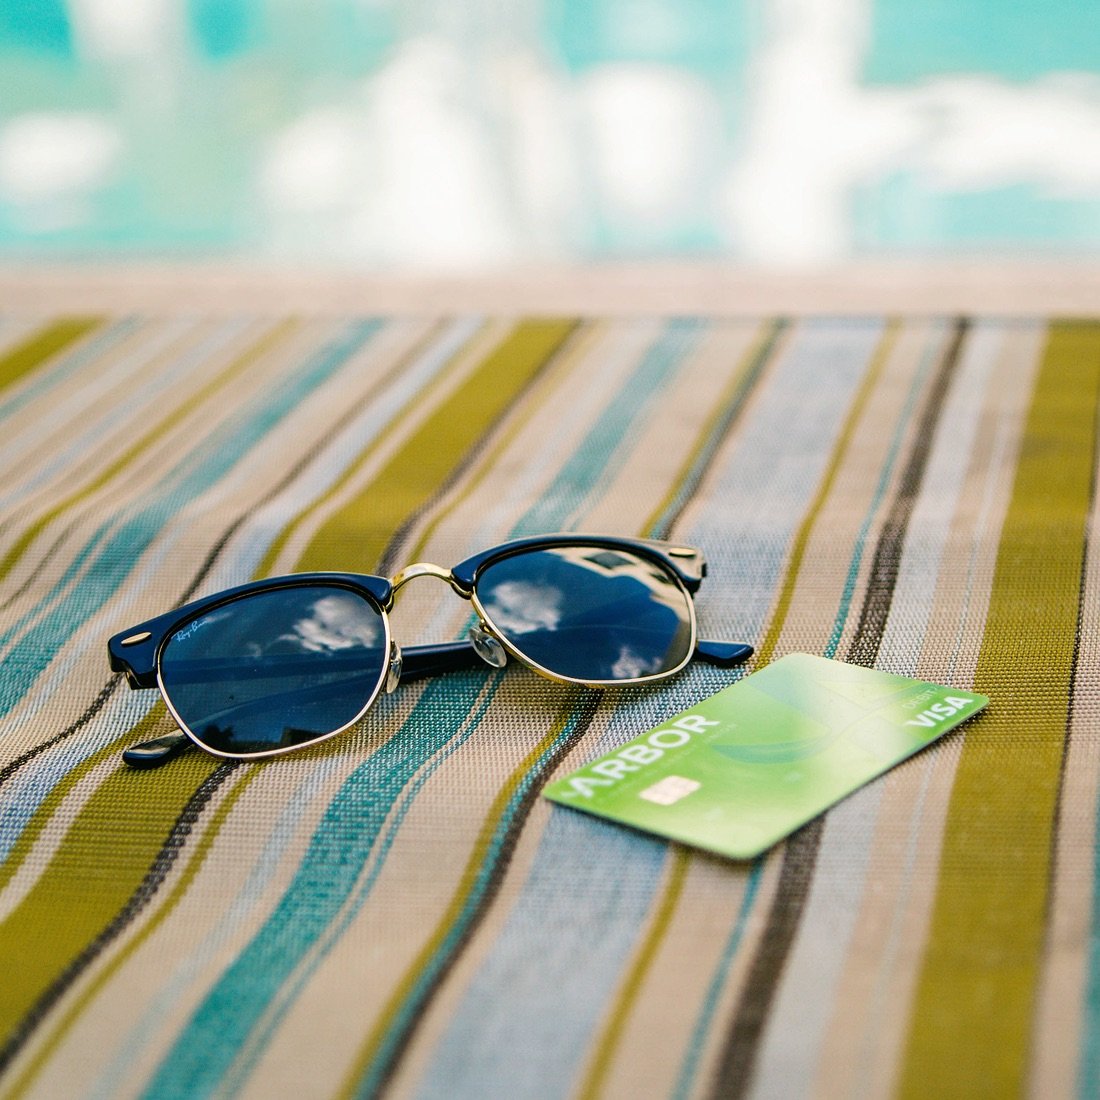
x: 287, y: 662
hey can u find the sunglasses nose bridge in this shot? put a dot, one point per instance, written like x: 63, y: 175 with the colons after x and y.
x: 427, y: 569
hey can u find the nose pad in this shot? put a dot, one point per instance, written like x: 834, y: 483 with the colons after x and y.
x: 393, y: 673
x: 487, y: 647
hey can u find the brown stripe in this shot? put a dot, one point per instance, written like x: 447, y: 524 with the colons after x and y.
x: 662, y: 523
x: 738, y: 1060
x: 884, y: 570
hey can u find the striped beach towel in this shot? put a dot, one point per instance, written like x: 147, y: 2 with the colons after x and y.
x: 397, y: 912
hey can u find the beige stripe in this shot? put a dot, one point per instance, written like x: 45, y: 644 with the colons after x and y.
x: 887, y: 940
x: 379, y: 451
x: 960, y: 615
x: 113, y: 383
x: 826, y: 560
x: 659, y: 1029
x: 661, y: 449
x: 15, y: 328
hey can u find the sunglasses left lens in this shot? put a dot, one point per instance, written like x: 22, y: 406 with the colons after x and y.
x: 275, y: 669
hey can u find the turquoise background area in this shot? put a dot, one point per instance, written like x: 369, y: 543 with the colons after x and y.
x: 186, y: 114
x: 1016, y: 39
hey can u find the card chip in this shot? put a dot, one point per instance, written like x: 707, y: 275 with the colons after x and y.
x: 670, y: 789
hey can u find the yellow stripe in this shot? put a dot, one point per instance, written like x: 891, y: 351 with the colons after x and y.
x: 43, y: 345
x: 972, y: 1012
x: 487, y: 463
x: 187, y: 876
x: 356, y: 536
x: 472, y: 871
x: 152, y: 725
x: 241, y: 363
x: 101, y: 862
x: 612, y: 1033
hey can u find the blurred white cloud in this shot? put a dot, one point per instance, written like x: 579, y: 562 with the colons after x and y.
x: 51, y: 162
x: 427, y: 134
x: 649, y: 127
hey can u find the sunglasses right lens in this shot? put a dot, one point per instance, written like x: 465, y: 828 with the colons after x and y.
x: 589, y: 613
x: 276, y: 669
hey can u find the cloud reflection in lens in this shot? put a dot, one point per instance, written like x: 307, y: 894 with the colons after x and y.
x: 588, y: 613
x: 275, y: 668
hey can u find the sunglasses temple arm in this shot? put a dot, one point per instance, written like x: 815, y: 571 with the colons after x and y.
x: 723, y: 654
x: 420, y: 661
x: 152, y: 754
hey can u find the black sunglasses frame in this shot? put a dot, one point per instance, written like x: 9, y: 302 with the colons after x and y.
x: 136, y: 652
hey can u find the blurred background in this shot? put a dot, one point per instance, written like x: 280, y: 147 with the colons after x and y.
x: 449, y: 134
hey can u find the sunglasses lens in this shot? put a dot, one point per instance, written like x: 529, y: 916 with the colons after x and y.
x: 589, y: 613
x: 275, y: 669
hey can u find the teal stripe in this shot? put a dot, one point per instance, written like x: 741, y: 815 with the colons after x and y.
x: 205, y: 1051
x: 460, y: 928
x: 284, y: 997
x: 109, y: 555
x: 689, y: 1067
x: 608, y: 444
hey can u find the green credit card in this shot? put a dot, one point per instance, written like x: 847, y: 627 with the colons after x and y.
x: 746, y: 767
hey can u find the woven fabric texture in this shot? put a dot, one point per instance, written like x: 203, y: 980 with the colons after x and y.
x: 398, y: 912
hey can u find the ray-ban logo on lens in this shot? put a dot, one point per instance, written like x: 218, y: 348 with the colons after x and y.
x: 193, y: 628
